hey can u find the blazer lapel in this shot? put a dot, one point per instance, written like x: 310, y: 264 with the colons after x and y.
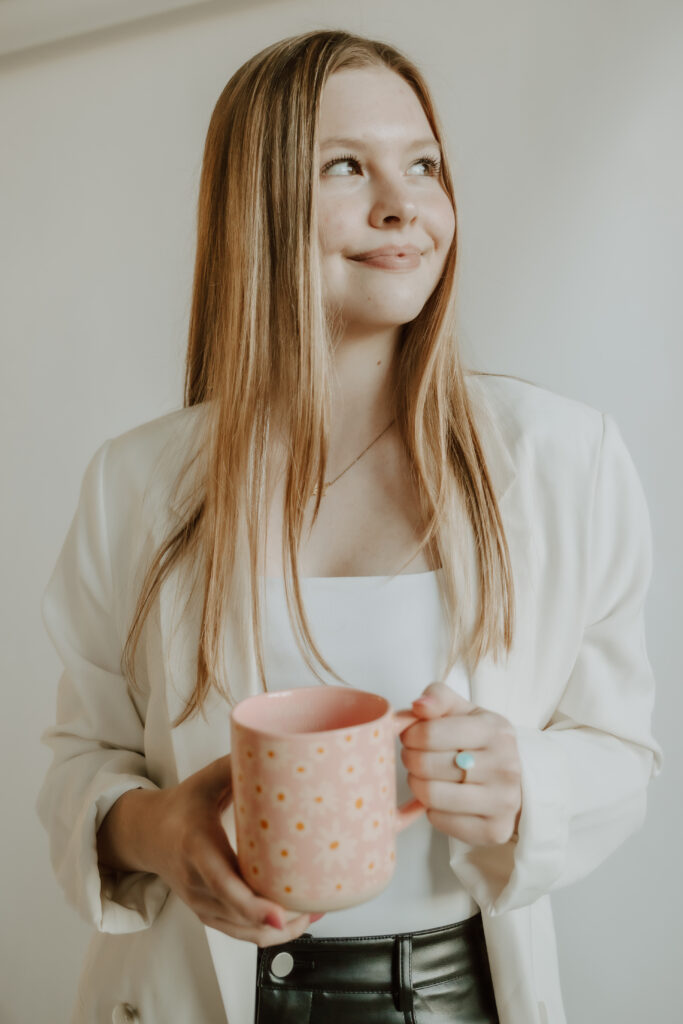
x: 196, y: 742
x: 504, y: 686
x: 204, y: 736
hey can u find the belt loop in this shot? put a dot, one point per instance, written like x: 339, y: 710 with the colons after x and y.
x: 402, y: 985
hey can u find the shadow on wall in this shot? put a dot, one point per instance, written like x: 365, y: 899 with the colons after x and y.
x: 33, y: 32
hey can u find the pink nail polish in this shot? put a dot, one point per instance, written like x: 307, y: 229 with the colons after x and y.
x: 426, y: 701
x: 273, y: 920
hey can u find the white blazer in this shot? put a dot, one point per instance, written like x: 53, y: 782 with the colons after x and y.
x: 577, y: 686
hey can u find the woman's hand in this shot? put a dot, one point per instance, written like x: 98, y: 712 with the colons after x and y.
x: 486, y: 808
x: 181, y: 839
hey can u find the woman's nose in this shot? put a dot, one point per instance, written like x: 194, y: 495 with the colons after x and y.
x: 394, y: 201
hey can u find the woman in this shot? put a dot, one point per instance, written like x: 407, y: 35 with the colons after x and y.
x: 466, y: 537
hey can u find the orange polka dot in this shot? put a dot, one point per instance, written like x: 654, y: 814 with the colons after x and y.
x: 381, y: 759
x: 242, y: 808
x: 349, y: 738
x: 300, y: 826
x: 338, y: 885
x: 255, y: 870
x: 284, y: 853
x: 264, y: 823
x: 271, y: 753
x: 376, y: 732
x: 359, y: 802
x: 392, y: 855
x: 281, y: 796
x: 318, y: 799
x: 371, y: 864
x: 240, y: 777
x: 320, y: 750
x: 384, y: 789
x: 300, y: 768
x: 259, y: 789
x: 334, y: 845
x: 349, y: 769
x: 252, y: 844
x: 375, y: 824
x: 288, y: 888
x: 249, y: 753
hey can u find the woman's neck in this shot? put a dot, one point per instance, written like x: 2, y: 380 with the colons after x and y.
x: 363, y: 401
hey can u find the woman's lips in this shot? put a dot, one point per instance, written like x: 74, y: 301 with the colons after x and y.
x: 409, y: 261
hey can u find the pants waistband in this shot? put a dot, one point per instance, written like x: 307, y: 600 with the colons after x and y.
x: 390, y: 963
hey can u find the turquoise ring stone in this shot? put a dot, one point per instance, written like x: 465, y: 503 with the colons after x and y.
x: 464, y: 760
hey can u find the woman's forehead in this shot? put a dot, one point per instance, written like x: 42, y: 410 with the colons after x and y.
x: 371, y: 106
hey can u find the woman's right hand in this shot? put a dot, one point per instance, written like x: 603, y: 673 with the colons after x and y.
x: 183, y: 841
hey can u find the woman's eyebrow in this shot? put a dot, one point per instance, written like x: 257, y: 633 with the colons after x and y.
x: 359, y: 143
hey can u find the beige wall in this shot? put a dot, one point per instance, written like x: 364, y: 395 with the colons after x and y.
x: 564, y: 128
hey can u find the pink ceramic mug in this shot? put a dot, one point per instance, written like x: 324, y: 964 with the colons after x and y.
x: 314, y: 783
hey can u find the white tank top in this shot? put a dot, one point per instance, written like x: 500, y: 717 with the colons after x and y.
x: 387, y: 636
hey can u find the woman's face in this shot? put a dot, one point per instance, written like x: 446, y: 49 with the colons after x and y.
x: 388, y: 193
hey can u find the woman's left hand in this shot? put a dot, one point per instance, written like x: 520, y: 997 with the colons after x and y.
x: 485, y: 809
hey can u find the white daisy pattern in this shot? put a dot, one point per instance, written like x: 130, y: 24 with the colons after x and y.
x: 302, y: 768
x: 381, y: 762
x: 258, y: 789
x: 359, y: 799
x: 346, y: 739
x: 246, y: 844
x: 272, y: 755
x: 373, y: 866
x: 320, y: 750
x: 283, y: 856
x: 376, y: 735
x: 320, y: 798
x: 280, y: 796
x: 350, y: 769
x: 256, y: 871
x: 300, y: 827
x: 375, y: 827
x: 335, y: 851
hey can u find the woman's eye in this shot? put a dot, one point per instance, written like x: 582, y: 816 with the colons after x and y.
x: 339, y: 160
x: 433, y: 165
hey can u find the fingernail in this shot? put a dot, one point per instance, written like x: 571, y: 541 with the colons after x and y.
x: 424, y: 700
x: 273, y: 920
x: 316, y: 917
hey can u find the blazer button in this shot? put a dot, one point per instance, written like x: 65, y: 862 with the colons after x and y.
x: 124, y: 1013
x: 281, y: 965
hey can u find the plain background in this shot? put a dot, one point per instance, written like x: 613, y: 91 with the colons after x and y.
x: 563, y: 126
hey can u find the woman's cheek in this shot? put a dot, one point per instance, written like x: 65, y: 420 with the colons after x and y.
x: 444, y: 218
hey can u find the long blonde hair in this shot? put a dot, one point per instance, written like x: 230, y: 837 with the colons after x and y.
x: 260, y: 346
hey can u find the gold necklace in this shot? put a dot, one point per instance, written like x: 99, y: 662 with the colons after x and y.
x: 328, y: 484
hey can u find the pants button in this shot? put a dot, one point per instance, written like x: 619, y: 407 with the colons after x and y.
x: 281, y: 965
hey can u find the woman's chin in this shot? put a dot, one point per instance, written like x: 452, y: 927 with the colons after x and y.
x: 382, y: 316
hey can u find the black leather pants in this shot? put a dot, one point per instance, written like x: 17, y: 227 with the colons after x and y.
x: 438, y: 976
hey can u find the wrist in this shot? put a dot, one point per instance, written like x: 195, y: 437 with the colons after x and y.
x: 128, y: 836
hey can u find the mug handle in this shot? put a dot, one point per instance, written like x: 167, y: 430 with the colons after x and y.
x: 409, y: 812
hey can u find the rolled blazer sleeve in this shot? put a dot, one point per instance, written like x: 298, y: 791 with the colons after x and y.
x: 97, y: 739
x: 585, y: 774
